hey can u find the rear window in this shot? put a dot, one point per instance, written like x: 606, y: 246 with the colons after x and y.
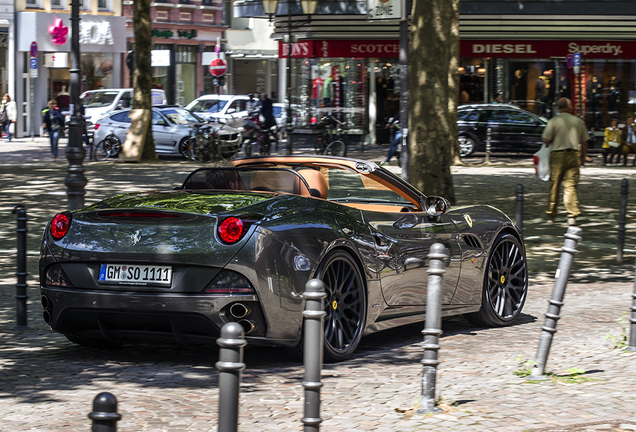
x: 121, y: 117
x: 207, y: 105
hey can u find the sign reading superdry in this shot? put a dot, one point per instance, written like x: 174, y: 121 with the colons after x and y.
x: 546, y: 49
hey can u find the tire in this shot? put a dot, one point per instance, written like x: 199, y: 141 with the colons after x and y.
x: 466, y: 146
x: 187, y: 148
x: 109, y: 147
x: 92, y: 342
x: 336, y: 148
x: 505, y: 286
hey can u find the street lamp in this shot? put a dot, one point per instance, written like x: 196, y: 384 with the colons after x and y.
x: 75, y: 180
x: 309, y: 8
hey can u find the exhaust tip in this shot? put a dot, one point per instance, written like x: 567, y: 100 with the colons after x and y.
x: 46, y: 303
x: 249, y: 326
x: 239, y: 310
x: 47, y: 316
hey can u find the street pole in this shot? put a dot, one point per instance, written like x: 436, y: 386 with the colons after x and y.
x: 404, y: 87
x: 75, y: 179
x: 289, y: 85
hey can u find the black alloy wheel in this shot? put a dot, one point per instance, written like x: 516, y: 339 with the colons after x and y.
x: 109, y: 147
x: 346, y: 305
x: 505, y: 284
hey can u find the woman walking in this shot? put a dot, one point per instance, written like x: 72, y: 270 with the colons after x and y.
x: 53, y: 122
x: 8, y: 115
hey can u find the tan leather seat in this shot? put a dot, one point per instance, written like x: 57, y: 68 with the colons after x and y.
x: 316, y: 180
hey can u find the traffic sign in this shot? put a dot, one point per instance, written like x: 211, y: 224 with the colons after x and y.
x: 218, y: 67
x: 569, y: 61
x: 33, y: 65
x: 577, y: 63
x: 34, y: 49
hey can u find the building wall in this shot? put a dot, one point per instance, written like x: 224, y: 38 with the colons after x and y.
x: 186, y: 77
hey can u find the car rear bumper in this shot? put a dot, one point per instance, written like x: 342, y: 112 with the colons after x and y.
x: 132, y: 316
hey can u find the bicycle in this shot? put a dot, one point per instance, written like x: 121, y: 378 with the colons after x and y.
x: 258, y: 137
x: 109, y: 147
x: 330, y: 138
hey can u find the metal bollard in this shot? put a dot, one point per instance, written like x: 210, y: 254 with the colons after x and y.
x: 621, y: 221
x: 230, y: 365
x: 314, y: 335
x: 632, y: 328
x: 432, y: 328
x: 21, y: 267
x: 488, y: 137
x: 519, y: 213
x: 572, y: 237
x: 104, y: 415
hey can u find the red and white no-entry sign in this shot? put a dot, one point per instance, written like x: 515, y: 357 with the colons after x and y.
x: 218, y: 67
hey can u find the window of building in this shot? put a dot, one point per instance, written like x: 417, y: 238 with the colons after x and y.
x: 33, y: 3
x: 206, y: 2
x: 104, y: 4
x: 56, y: 4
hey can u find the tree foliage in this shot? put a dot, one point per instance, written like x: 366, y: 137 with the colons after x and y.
x: 433, y: 95
x: 142, y: 98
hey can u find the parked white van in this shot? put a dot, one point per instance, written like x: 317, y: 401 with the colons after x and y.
x: 102, y: 101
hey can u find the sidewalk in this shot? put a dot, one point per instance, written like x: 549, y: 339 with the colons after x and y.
x: 48, y: 384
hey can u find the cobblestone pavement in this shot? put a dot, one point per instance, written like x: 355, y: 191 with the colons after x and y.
x: 48, y: 383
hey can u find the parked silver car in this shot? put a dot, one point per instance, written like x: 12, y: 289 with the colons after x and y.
x: 173, y: 130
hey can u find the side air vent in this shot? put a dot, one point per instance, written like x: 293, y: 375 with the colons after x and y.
x: 472, y: 241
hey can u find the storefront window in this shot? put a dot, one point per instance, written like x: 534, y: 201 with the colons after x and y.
x: 186, y: 74
x: 336, y: 86
x: 161, y: 74
x: 97, y: 70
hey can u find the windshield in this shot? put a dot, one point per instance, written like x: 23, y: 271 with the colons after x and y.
x: 180, y: 116
x: 207, y: 105
x: 99, y: 99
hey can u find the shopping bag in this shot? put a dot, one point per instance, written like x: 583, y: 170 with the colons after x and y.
x: 541, y: 161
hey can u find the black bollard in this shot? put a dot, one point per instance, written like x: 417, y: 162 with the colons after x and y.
x: 622, y: 213
x: 632, y: 321
x: 572, y: 238
x: 21, y: 268
x: 314, y: 335
x: 519, y: 213
x: 104, y: 415
x: 488, y: 145
x: 432, y: 329
x: 230, y: 365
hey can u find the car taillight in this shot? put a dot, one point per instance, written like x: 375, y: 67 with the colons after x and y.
x: 60, y: 226
x: 96, y: 126
x: 231, y: 230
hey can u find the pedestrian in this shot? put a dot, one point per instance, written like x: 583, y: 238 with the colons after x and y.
x: 8, y: 116
x: 564, y: 133
x: 612, y: 143
x: 251, y: 104
x: 395, y: 122
x: 628, y: 138
x: 53, y: 124
x: 497, y: 98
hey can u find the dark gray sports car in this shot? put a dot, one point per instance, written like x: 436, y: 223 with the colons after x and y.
x: 240, y: 243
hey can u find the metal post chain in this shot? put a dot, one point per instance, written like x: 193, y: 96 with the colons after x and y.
x: 572, y: 237
x: 632, y: 328
x: 104, y: 415
x: 314, y: 335
x: 621, y: 221
x: 432, y: 328
x: 519, y: 213
x: 230, y: 365
x: 21, y: 266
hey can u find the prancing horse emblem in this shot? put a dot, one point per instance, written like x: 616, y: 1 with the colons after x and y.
x: 135, y: 237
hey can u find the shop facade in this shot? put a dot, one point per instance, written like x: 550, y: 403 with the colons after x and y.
x: 45, y: 75
x: 534, y: 74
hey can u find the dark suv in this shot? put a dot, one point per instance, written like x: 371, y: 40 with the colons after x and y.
x: 512, y: 129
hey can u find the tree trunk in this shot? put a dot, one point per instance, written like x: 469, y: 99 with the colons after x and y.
x: 142, y: 98
x: 433, y: 95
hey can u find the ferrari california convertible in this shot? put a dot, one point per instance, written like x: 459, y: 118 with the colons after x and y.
x: 239, y: 243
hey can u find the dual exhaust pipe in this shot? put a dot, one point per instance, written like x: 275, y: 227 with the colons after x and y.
x: 47, y: 305
x: 240, y: 312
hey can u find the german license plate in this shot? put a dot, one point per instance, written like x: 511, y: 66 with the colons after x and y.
x: 125, y: 274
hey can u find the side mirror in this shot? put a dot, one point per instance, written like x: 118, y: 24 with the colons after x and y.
x: 161, y: 122
x: 436, y: 206
x: 231, y: 110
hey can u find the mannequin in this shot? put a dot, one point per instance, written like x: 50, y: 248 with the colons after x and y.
x: 613, y: 96
x: 316, y: 91
x: 595, y: 102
